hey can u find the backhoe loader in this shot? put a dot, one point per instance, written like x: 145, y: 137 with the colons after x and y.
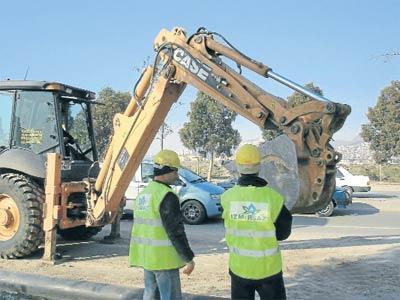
x: 69, y: 194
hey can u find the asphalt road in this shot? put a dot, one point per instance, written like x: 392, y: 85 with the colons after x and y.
x: 361, y: 218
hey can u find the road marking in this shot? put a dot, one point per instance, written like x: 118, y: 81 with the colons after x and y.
x: 341, y: 226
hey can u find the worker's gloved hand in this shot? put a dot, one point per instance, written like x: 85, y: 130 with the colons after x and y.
x: 189, y: 268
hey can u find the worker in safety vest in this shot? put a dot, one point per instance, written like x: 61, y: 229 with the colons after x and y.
x: 159, y: 244
x: 255, y: 218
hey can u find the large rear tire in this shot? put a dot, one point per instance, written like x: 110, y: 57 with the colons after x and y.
x: 79, y: 233
x: 21, y: 210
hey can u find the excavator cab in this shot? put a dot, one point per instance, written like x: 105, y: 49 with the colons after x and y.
x: 38, y: 118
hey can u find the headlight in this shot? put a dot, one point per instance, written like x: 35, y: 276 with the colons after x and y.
x: 215, y: 196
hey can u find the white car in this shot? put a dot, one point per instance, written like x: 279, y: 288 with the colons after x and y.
x: 352, y: 183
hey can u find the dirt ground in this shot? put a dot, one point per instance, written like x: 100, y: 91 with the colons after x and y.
x: 323, y: 266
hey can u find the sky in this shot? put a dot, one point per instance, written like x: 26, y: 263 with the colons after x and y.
x: 96, y: 44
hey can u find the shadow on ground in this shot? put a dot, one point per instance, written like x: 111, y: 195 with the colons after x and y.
x: 372, y: 195
x: 357, y: 208
x: 91, y: 249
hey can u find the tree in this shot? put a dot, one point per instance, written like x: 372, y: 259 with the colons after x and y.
x: 209, y: 128
x: 111, y: 102
x: 297, y: 98
x: 164, y: 131
x: 388, y: 56
x: 103, y: 115
x: 293, y: 100
x: 383, y: 129
x: 270, y: 134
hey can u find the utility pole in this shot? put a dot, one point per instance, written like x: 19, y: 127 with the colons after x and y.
x: 162, y: 136
x: 164, y: 131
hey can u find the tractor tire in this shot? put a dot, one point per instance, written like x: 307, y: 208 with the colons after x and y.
x: 327, y: 211
x: 79, y: 233
x: 193, y: 212
x: 21, y: 215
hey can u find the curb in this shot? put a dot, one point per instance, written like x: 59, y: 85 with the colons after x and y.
x: 57, y: 288
x: 33, y: 286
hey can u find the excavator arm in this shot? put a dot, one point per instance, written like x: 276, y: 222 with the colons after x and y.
x: 198, y: 60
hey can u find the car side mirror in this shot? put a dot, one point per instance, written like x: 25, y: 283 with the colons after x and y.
x: 180, y: 183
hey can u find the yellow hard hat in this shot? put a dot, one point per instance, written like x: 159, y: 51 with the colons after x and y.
x: 167, y: 158
x: 248, y: 159
x: 248, y: 155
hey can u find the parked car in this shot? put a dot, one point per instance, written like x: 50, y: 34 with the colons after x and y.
x: 340, y: 198
x: 228, y: 184
x: 199, y: 198
x: 352, y: 183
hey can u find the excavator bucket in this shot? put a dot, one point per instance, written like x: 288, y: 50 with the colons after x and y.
x: 291, y: 177
x: 278, y: 167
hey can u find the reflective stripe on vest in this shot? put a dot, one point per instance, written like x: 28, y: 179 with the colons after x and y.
x: 151, y: 222
x: 253, y: 253
x: 250, y: 233
x: 151, y: 242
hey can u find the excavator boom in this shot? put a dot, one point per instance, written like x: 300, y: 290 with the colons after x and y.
x: 198, y: 61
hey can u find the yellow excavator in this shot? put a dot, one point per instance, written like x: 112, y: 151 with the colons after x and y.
x: 207, y: 64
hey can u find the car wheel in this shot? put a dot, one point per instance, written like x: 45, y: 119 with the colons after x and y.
x: 348, y: 189
x: 193, y: 212
x: 327, y: 211
x: 349, y: 198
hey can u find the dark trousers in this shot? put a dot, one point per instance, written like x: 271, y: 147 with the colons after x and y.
x: 267, y: 288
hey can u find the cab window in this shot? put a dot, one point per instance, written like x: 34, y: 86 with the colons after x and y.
x: 35, y: 126
x: 6, y: 103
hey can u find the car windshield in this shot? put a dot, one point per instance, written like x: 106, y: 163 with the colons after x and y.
x: 190, y: 176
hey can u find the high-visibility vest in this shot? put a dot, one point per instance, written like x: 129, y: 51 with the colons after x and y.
x: 150, y: 246
x: 249, y: 214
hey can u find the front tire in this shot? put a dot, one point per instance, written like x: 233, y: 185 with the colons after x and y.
x: 21, y: 210
x: 193, y: 212
x: 327, y: 211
